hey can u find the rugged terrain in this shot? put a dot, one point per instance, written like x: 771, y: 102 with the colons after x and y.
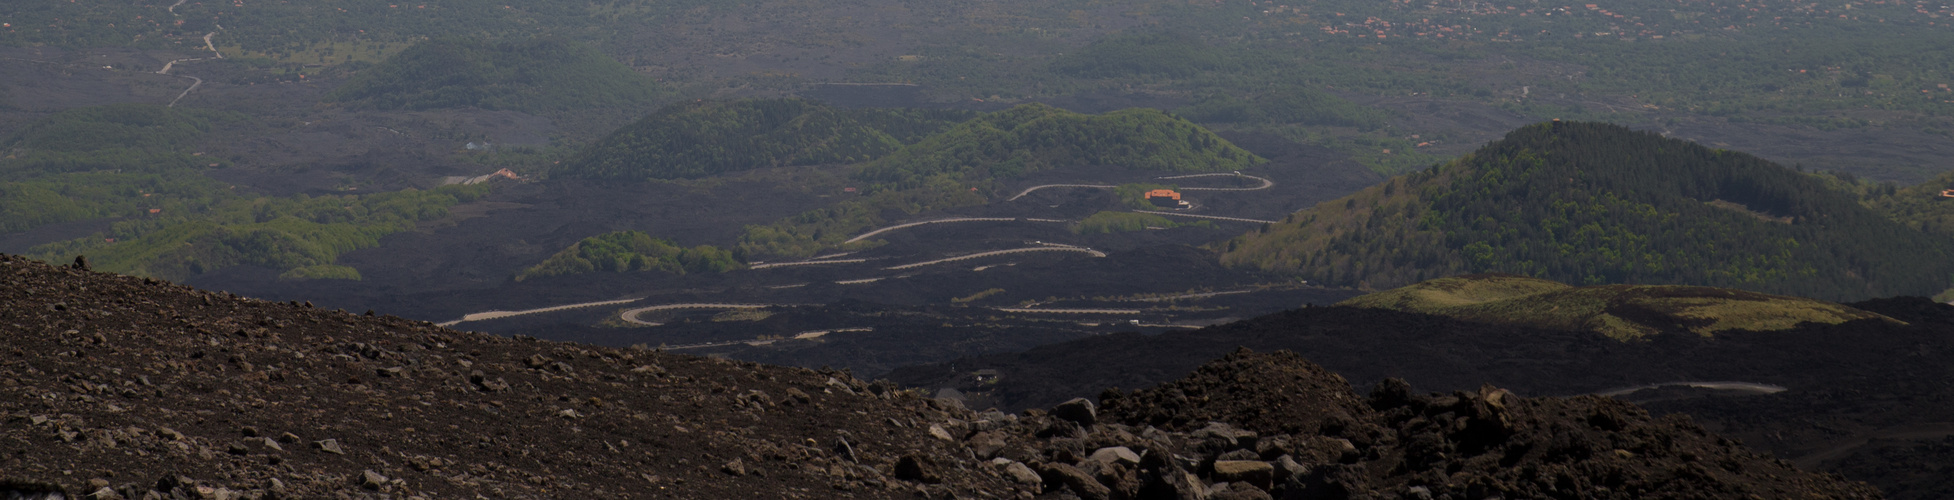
x: 123, y: 387
x: 1866, y: 398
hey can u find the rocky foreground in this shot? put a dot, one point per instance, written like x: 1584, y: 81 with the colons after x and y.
x: 120, y: 387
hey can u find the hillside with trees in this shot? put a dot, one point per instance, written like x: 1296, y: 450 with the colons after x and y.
x: 1034, y: 137
x: 1590, y: 204
x: 301, y: 236
x: 532, y: 75
x: 625, y: 251
x: 967, y: 165
x: 703, y: 138
x: 119, y: 160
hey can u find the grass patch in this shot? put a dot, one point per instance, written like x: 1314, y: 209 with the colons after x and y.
x: 1622, y: 312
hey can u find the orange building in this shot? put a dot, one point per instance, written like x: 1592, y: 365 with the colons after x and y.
x: 1164, y: 198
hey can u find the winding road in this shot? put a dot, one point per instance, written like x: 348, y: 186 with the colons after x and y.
x: 869, y: 234
x: 1035, y: 188
x: 195, y: 82
x: 1216, y: 217
x: 631, y: 315
x: 804, y: 263
x: 1266, y: 183
x: 1068, y: 311
x: 504, y: 314
x: 1721, y: 386
x: 1094, y: 253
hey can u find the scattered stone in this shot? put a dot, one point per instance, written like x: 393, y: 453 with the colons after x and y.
x: 372, y: 480
x: 1082, y: 484
x: 328, y: 446
x: 735, y: 467
x: 798, y: 397
x: 1240, y: 491
x: 938, y: 432
x: 1255, y: 472
x: 1077, y: 410
x: 845, y: 450
x: 1017, y: 471
x: 1418, y: 493
x: 912, y: 468
x: 1120, y: 455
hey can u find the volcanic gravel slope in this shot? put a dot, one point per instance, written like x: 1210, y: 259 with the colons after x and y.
x: 138, y: 385
x: 121, y: 387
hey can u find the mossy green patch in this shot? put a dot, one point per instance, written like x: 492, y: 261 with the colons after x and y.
x: 1622, y: 312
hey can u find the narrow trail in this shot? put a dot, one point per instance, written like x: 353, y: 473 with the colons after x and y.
x: 1932, y: 430
x: 195, y: 82
x: 173, y: 7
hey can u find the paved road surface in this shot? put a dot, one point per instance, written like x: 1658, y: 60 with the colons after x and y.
x: 1266, y: 183
x: 1069, y: 311
x: 1095, y: 253
x: 1722, y: 386
x: 1035, y: 188
x: 195, y: 82
x: 631, y: 315
x: 804, y: 263
x: 504, y: 314
x: 1216, y: 217
x: 866, y: 235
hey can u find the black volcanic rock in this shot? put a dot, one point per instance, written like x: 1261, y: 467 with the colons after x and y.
x: 151, y: 386
x: 142, y: 388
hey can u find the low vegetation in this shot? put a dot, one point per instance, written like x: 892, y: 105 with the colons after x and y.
x: 1115, y: 222
x: 122, y: 160
x: 626, y: 251
x: 301, y: 236
x: 1622, y: 312
x: 533, y: 75
x: 703, y: 138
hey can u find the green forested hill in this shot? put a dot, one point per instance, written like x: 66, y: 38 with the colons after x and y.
x: 1033, y: 137
x: 1594, y: 204
x: 624, y: 251
x: 535, y: 75
x: 697, y: 139
x: 964, y: 165
x: 107, y: 161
